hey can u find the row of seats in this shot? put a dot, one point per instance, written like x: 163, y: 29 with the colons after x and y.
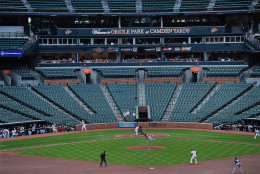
x: 232, y: 4
x: 48, y: 5
x: 17, y: 107
x: 30, y: 99
x: 224, y: 71
x: 93, y: 96
x: 125, y: 97
x: 58, y: 95
x: 87, y: 6
x: 122, y: 5
x: 117, y: 72
x: 225, y: 94
x: 158, y: 96
x: 58, y: 73
x: 255, y: 71
x: 165, y: 71
x: 12, y: 42
x: 190, y: 97
x: 194, y: 5
x: 235, y: 112
x: 14, y: 5
x: 24, y: 73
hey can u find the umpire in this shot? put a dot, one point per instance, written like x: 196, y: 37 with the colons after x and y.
x: 103, y: 158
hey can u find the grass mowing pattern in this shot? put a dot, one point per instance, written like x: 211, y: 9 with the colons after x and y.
x: 177, y: 151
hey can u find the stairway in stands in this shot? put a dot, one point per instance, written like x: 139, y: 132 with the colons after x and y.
x: 112, y: 104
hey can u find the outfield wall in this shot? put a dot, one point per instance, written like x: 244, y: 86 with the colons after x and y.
x: 186, y: 125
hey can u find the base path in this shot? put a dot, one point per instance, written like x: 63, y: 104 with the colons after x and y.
x: 13, y: 164
x: 149, y: 134
x: 146, y: 147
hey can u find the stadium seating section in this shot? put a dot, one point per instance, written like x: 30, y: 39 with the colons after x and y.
x: 165, y: 71
x: 157, y: 6
x: 194, y: 5
x: 58, y: 73
x: 125, y: 96
x: 122, y: 5
x: 255, y: 71
x: 23, y: 72
x: 190, y: 97
x: 87, y: 6
x: 13, y: 5
x: 12, y: 43
x: 48, y: 5
x: 93, y: 96
x: 232, y: 4
x: 30, y: 99
x: 158, y: 96
x: 117, y: 72
x: 217, y: 71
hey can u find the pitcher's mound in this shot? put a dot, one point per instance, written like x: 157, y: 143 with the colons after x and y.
x: 146, y: 147
x: 149, y: 134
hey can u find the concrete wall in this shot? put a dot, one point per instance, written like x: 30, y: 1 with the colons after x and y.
x: 219, y: 81
x: 162, y: 80
x: 206, y: 126
x: 119, y: 80
x: 64, y: 82
x: 253, y: 80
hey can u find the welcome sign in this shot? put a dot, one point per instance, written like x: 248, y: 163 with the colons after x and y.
x: 140, y: 31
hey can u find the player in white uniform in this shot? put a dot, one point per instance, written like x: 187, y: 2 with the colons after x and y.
x: 237, y: 164
x: 193, y: 156
x: 83, y: 126
x: 148, y: 138
x: 14, y: 133
x: 256, y: 133
x: 136, y: 130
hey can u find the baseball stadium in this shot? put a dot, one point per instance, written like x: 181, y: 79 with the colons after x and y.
x: 129, y: 86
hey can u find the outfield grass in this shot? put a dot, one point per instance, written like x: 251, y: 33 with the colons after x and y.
x: 177, y: 151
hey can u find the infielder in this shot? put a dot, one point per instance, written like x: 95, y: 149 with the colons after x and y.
x: 148, y: 138
x: 83, y: 126
x: 136, y: 130
x: 256, y: 133
x: 237, y: 163
x: 193, y: 156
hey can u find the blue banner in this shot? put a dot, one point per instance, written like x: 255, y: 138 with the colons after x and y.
x: 126, y: 125
x: 167, y: 31
x: 11, y: 53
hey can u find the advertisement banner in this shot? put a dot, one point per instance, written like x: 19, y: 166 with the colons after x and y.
x: 11, y: 53
x: 126, y: 124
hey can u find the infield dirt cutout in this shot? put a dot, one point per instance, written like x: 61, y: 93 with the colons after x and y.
x: 142, y: 136
x: 146, y: 147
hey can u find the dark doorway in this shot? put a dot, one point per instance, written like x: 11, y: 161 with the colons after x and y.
x: 194, y: 77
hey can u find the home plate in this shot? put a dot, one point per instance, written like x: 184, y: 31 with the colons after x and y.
x: 151, y: 168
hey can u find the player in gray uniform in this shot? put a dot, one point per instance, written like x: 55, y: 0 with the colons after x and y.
x: 193, y: 156
x: 256, y: 133
x: 237, y: 163
x: 148, y: 138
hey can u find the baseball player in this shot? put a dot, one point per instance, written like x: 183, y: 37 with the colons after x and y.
x: 83, y: 126
x: 103, y: 158
x: 237, y: 163
x: 136, y: 130
x: 256, y: 133
x: 148, y: 138
x: 193, y: 156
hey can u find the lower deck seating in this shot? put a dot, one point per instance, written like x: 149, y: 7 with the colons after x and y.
x: 190, y: 96
x: 125, y: 96
x: 158, y: 96
x: 93, y: 96
x: 30, y: 99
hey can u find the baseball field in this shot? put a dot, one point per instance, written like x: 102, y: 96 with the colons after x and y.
x: 170, y: 147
